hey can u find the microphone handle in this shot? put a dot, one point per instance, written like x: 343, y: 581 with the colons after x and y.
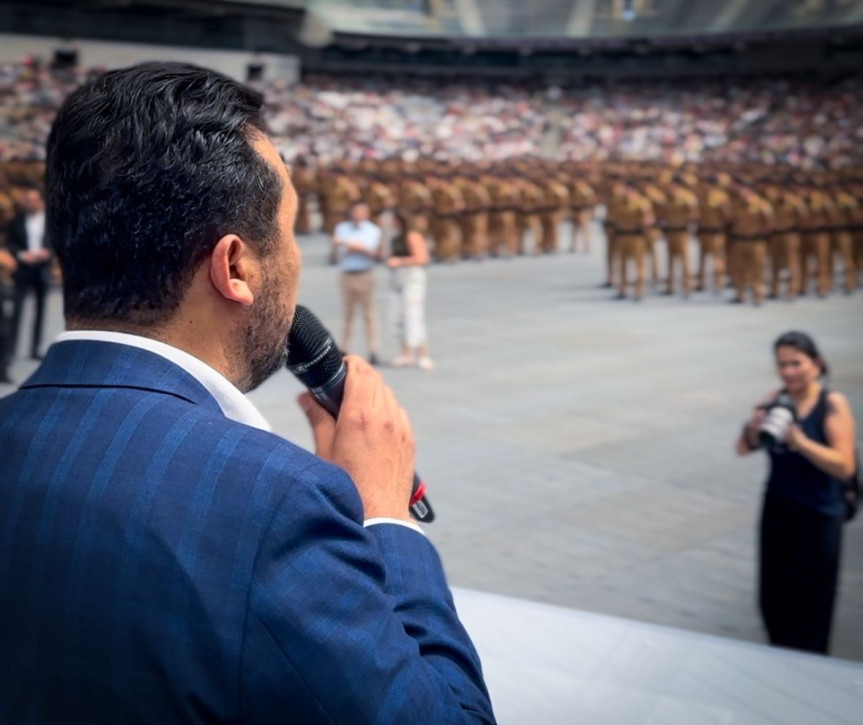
x: 330, y: 397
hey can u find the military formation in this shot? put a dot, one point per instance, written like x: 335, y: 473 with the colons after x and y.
x: 761, y: 230
x: 764, y: 231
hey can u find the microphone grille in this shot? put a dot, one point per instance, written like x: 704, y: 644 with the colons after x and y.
x: 313, y: 355
x: 308, y: 336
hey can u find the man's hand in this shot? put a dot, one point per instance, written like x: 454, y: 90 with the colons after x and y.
x: 372, y: 440
x: 393, y: 262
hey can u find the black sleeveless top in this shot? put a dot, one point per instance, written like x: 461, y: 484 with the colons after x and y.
x: 399, y: 246
x: 794, y: 477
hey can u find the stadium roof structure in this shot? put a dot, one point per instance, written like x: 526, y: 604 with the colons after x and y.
x: 528, y: 38
x: 535, y: 19
x: 583, y: 19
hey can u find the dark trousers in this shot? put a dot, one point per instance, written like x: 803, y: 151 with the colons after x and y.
x: 25, y: 280
x: 799, y: 573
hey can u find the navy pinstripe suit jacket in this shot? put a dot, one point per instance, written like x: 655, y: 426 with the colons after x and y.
x: 160, y: 563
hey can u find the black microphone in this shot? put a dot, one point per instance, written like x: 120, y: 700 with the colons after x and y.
x: 316, y: 361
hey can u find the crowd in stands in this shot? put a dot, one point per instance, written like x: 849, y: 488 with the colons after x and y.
x: 349, y: 119
x: 802, y: 122
x: 780, y: 121
x: 30, y: 94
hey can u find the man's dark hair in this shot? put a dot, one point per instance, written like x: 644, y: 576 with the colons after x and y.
x: 147, y: 168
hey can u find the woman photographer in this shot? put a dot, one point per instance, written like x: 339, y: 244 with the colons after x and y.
x: 811, y: 453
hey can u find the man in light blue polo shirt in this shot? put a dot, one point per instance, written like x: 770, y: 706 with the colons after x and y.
x: 357, y: 244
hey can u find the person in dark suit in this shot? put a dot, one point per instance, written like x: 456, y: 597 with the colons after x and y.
x: 27, y: 240
x: 165, y: 558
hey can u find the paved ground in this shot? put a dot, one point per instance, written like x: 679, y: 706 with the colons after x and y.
x: 579, y: 450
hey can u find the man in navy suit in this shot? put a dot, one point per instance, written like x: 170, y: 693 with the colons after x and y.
x: 26, y: 239
x: 163, y: 557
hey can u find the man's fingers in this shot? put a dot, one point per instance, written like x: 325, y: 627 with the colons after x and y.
x: 407, y: 429
x: 362, y: 384
x: 322, y: 423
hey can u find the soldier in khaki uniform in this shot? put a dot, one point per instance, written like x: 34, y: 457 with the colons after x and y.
x: 555, y: 202
x: 474, y: 219
x: 337, y: 194
x: 609, y: 190
x: 856, y: 190
x: 789, y: 211
x: 676, y: 216
x: 527, y: 214
x: 447, y: 205
x: 341, y: 193
x: 714, y: 216
x: 322, y: 182
x: 379, y: 197
x: 657, y: 199
x: 414, y: 202
x: 503, y: 231
x: 582, y: 202
x: 630, y: 216
x: 815, y: 241
x: 751, y: 226
x: 304, y: 181
x: 7, y: 210
x: 842, y: 237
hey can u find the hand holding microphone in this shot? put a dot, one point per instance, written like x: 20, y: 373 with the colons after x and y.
x: 357, y: 422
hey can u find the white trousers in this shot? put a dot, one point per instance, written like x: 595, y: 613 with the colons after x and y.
x: 407, y: 305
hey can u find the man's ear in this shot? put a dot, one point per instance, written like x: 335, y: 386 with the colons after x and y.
x: 232, y: 264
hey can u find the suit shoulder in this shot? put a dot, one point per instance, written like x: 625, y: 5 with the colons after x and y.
x: 270, y: 449
x: 152, y: 421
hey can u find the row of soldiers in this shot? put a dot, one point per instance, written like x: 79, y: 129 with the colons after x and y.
x: 800, y: 224
x: 468, y: 211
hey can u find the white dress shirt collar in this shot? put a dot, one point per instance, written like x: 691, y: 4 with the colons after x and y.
x: 233, y: 403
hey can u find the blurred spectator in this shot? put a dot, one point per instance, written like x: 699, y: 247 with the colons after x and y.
x: 358, y: 247
x: 27, y: 240
x: 408, y: 257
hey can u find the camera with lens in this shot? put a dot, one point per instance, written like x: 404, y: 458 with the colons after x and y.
x: 781, y: 413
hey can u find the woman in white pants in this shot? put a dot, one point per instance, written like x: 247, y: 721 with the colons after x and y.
x: 408, y: 258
